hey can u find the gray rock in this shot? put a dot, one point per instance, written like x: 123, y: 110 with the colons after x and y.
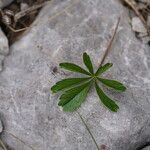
x: 144, y: 1
x: 4, y: 47
x: 1, y: 62
x: 62, y: 32
x: 1, y: 126
x: 24, y: 6
x: 4, y: 3
x: 148, y: 20
x: 147, y: 148
x: 137, y: 25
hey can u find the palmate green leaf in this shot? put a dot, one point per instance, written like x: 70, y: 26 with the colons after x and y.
x: 76, y: 89
x: 113, y: 84
x: 66, y: 83
x: 110, y: 104
x: 103, y: 68
x: 74, y: 68
x: 71, y: 93
x: 88, y: 63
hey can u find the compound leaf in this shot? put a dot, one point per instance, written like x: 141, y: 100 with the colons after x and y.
x: 88, y: 63
x: 110, y: 104
x: 66, y: 83
x: 76, y: 89
x: 74, y: 68
x: 113, y: 84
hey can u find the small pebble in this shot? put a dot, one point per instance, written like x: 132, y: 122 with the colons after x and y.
x: 24, y: 6
x: 137, y: 25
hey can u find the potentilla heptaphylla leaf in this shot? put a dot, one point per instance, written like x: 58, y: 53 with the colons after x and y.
x: 75, y: 90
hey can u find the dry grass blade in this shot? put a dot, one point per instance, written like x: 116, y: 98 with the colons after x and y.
x: 28, y: 10
x: 18, y: 139
x: 103, y: 59
x: 16, y: 30
x: 110, y: 42
x: 88, y: 130
x: 3, y: 145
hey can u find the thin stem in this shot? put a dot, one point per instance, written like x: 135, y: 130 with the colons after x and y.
x: 110, y: 42
x: 88, y: 130
x: 18, y: 139
x: 3, y: 145
x: 28, y: 10
x: 16, y: 30
x: 103, y: 59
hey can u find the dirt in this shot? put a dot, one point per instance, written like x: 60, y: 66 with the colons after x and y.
x: 11, y: 30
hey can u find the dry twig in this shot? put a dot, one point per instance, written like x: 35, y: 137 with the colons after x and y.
x: 16, y: 30
x: 18, y: 139
x: 28, y: 10
x: 110, y: 42
x: 88, y: 130
x: 9, y: 26
x: 3, y: 145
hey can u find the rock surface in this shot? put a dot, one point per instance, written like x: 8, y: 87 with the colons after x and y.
x: 147, y: 148
x: 141, y: 32
x: 4, y: 48
x: 144, y: 1
x: 4, y: 3
x: 62, y: 32
x: 1, y: 126
x: 137, y: 25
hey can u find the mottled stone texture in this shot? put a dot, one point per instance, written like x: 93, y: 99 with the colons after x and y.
x: 147, y: 148
x: 144, y: 1
x: 4, y: 48
x: 62, y: 32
